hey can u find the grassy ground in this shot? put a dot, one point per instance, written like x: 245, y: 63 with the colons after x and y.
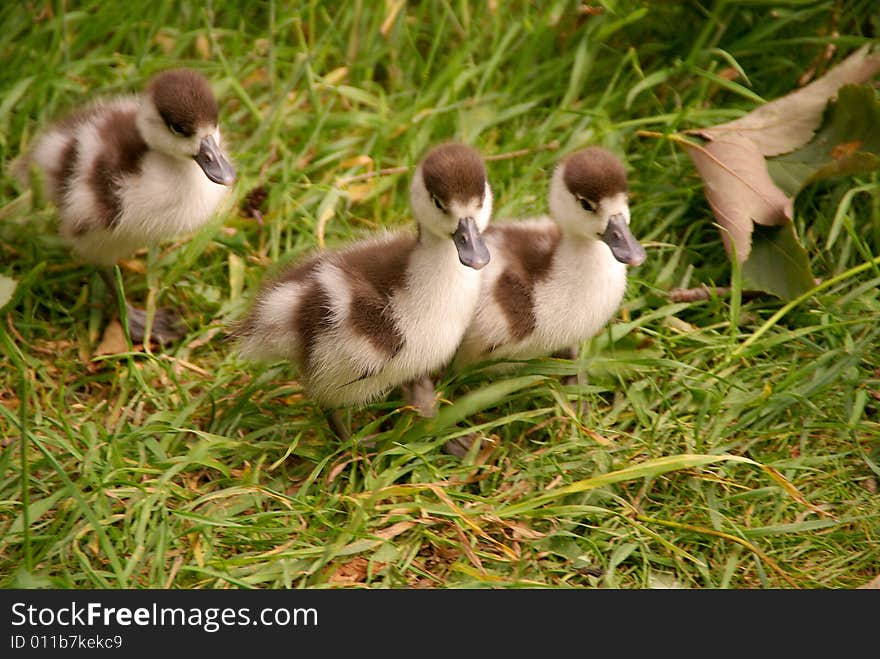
x: 187, y: 468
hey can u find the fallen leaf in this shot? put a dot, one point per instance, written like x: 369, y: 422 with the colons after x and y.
x: 523, y: 532
x: 204, y: 340
x: 357, y: 161
x: 394, y: 530
x: 777, y: 263
x: 660, y: 581
x: 786, y: 123
x: 359, y: 191
x: 7, y: 288
x: 591, y: 10
x: 848, y: 143
x: 746, y: 191
x: 203, y: 47
x: 113, y: 341
x: 165, y: 41
x: 134, y: 265
x: 739, y: 190
x: 355, y: 571
x: 873, y: 584
x: 336, y: 76
x: 257, y: 76
x: 254, y: 203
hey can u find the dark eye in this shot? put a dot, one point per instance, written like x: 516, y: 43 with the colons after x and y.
x: 438, y: 203
x: 176, y: 128
x: 588, y: 204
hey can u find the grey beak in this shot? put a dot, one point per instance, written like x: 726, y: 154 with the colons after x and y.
x: 472, y: 250
x: 622, y: 242
x: 213, y: 162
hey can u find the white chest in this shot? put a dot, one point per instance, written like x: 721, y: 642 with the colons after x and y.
x: 577, y: 298
x: 169, y: 196
x: 431, y: 313
x: 436, y: 307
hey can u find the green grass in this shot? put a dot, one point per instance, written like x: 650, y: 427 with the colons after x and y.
x: 716, y: 450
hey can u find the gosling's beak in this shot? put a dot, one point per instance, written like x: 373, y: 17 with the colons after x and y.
x: 622, y: 242
x: 213, y: 162
x: 472, y: 250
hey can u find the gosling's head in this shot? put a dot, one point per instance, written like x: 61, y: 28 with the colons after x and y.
x: 178, y: 117
x: 451, y: 198
x: 589, y: 198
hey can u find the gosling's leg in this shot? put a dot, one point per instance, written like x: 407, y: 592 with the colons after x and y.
x: 577, y: 378
x: 337, y: 425
x: 572, y: 354
x: 167, y: 325
x: 460, y: 446
x: 421, y: 394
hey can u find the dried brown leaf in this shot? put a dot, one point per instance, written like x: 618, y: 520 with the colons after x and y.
x: 113, y: 341
x: 789, y: 122
x: 336, y: 76
x: 873, y: 584
x: 360, y: 191
x: 254, y: 203
x: 468, y: 550
x: 394, y: 530
x: 739, y: 189
x: 355, y: 571
x: 165, y: 41
x: 203, y: 47
x: 134, y: 265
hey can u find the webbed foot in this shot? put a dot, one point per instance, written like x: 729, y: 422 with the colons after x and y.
x: 167, y: 325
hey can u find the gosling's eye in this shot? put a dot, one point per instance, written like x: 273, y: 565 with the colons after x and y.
x: 588, y: 204
x: 438, y: 203
x: 176, y: 128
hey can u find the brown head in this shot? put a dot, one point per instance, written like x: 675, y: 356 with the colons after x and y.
x: 451, y: 198
x: 589, y: 199
x: 178, y: 117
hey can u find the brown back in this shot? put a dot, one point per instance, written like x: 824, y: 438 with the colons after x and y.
x: 528, y: 253
x: 123, y: 150
x: 375, y: 272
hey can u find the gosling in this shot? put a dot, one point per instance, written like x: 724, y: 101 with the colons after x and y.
x: 131, y: 171
x: 387, y: 310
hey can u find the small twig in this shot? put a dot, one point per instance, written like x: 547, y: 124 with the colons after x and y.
x: 678, y: 138
x: 345, y: 180
x: 391, y: 17
x: 550, y: 146
x: 704, y: 292
x: 698, y: 294
x: 14, y: 331
x: 825, y: 56
x: 187, y: 365
x: 322, y: 224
